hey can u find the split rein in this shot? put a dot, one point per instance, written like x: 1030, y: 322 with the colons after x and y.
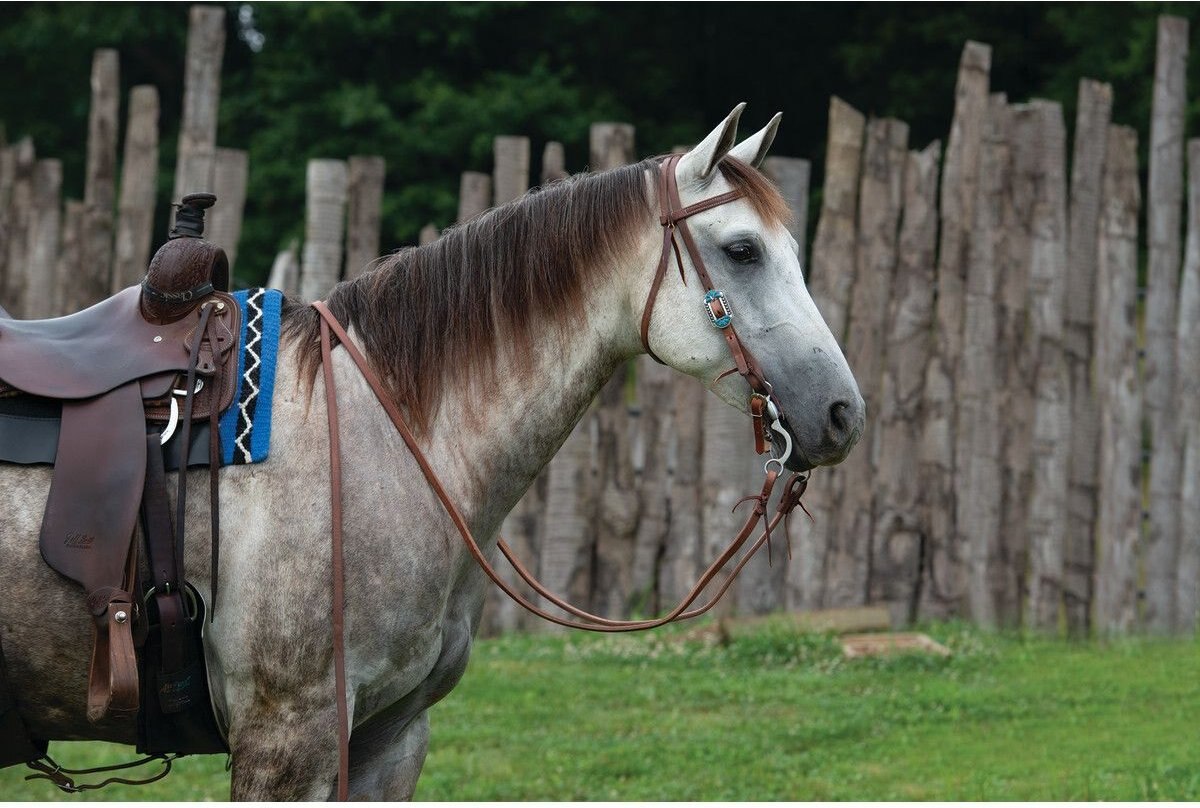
x: 763, y: 408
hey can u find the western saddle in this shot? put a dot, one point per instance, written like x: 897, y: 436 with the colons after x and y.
x: 127, y: 373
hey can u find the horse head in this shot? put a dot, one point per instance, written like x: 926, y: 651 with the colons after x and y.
x: 758, y: 305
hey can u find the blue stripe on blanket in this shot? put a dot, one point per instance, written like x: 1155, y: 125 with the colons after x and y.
x: 246, y: 426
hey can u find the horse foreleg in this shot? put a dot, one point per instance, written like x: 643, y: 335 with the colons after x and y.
x: 385, y: 762
x: 284, y: 751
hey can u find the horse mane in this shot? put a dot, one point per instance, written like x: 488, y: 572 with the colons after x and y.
x: 432, y: 317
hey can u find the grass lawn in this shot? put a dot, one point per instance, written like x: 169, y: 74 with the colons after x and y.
x: 781, y: 716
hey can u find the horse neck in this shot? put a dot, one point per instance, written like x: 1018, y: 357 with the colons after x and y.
x: 498, y: 439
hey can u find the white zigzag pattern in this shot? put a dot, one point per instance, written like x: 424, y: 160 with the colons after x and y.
x: 253, y: 360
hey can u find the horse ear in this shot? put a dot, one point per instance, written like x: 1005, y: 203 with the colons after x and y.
x: 753, y: 150
x: 698, y: 164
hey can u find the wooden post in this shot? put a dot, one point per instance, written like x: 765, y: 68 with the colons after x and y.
x: 554, y: 163
x: 429, y: 234
x: 1087, y: 171
x: 1119, y: 514
x: 285, y: 271
x: 139, y: 175
x: 655, y: 431
x: 610, y: 145
x: 365, y: 214
x: 729, y: 470
x: 101, y: 172
x: 90, y: 280
x: 230, y: 173
x: 510, y: 176
x: 1050, y: 454
x: 880, y: 197
x: 196, y: 153
x: 1163, y: 222
x: 896, y: 577
x: 20, y: 211
x: 1187, y: 588
x: 791, y: 175
x: 45, y: 222
x: 70, y: 253
x: 474, y: 195
x: 619, y: 505
x: 830, y: 276
x: 566, y: 562
x: 325, y: 221
x: 1015, y: 363
x: 978, y: 459
x: 832, y: 266
x: 946, y: 592
x: 681, y: 561
x: 8, y: 160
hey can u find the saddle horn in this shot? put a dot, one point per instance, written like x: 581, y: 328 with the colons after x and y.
x: 187, y: 267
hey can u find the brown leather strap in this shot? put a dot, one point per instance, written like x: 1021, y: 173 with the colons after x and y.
x: 339, y: 575
x: 593, y: 622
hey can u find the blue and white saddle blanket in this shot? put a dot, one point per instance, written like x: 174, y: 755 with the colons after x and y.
x: 29, y: 426
x: 246, y: 426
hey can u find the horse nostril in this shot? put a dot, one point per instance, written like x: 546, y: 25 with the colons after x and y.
x: 840, y: 417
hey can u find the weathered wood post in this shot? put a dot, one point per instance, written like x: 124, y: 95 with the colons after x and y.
x: 554, y: 162
x: 1120, y: 397
x: 896, y: 546
x: 682, y: 556
x: 365, y: 214
x: 656, y: 424
x: 429, y: 234
x: 8, y: 158
x: 1015, y: 363
x: 830, y: 278
x: 90, y: 280
x: 230, y: 173
x: 71, y: 249
x: 45, y: 222
x: 1087, y: 171
x: 474, y: 195
x: 510, y: 175
x: 944, y: 592
x: 879, y: 200
x: 1187, y: 588
x: 325, y: 219
x: 139, y: 174
x: 610, y: 145
x: 978, y: 459
x: 832, y: 273
x: 1050, y: 454
x: 196, y: 153
x: 1163, y: 222
x: 790, y: 175
x: 20, y: 211
x: 285, y: 271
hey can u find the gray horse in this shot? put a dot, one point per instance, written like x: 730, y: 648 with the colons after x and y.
x: 493, y: 340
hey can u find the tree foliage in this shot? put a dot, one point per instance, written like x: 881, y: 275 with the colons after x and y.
x: 427, y: 85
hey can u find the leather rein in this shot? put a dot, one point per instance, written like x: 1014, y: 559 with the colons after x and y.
x: 763, y: 407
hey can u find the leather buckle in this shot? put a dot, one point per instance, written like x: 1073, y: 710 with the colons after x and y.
x: 722, y: 317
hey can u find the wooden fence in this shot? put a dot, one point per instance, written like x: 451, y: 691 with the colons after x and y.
x: 1033, y: 444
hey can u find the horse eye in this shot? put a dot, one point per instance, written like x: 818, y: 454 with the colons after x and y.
x: 742, y: 252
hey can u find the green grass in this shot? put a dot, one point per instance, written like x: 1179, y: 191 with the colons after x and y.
x: 781, y: 716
